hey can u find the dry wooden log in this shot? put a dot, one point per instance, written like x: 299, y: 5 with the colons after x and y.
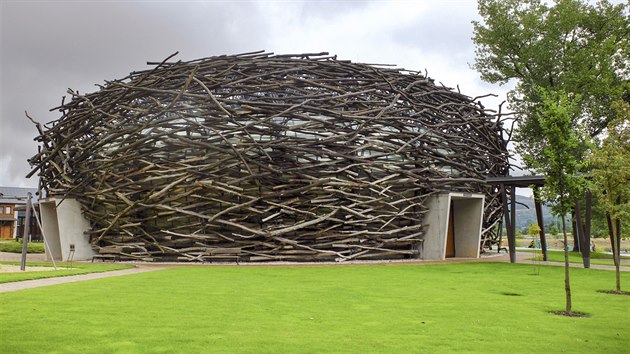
x: 256, y: 157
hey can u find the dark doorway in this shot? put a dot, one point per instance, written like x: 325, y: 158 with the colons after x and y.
x: 450, y: 235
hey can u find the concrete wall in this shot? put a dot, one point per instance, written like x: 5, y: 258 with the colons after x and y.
x: 468, y: 219
x: 435, y: 233
x: 69, y: 230
x: 48, y: 212
x: 64, y: 224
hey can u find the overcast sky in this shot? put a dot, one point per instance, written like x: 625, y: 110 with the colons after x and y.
x: 47, y: 47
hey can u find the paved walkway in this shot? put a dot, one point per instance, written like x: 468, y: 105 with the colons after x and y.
x: 521, y: 257
x: 35, y: 283
x: 623, y: 268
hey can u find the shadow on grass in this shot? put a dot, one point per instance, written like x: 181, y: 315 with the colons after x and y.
x: 570, y: 314
x: 614, y: 292
x: 510, y: 294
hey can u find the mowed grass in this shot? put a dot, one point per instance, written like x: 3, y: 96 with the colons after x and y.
x: 473, y: 307
x: 63, y: 269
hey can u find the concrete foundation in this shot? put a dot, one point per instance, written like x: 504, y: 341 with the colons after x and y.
x: 65, y: 229
x: 64, y: 225
x: 467, y: 218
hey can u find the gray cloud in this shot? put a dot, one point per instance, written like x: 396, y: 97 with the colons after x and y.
x: 445, y: 31
x: 48, y: 47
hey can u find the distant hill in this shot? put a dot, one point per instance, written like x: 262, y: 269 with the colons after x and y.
x: 526, y: 215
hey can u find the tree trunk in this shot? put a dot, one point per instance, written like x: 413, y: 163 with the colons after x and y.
x: 576, y: 234
x: 611, y: 235
x: 567, y: 284
x: 617, y: 255
x: 588, y: 217
x: 541, y: 223
x: 585, y: 247
x: 27, y: 233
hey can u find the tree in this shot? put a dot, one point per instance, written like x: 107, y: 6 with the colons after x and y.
x: 570, y: 60
x: 611, y: 178
x: 557, y: 161
x: 553, y: 229
x: 580, y: 48
x: 533, y: 230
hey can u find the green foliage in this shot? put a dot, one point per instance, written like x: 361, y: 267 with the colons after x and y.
x: 573, y: 45
x: 13, y: 246
x: 610, y: 162
x: 599, y: 226
x: 533, y: 230
x: 553, y: 229
x: 555, y: 151
x: 568, y: 58
x: 340, y: 309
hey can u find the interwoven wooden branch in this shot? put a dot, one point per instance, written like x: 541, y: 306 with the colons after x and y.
x: 258, y: 157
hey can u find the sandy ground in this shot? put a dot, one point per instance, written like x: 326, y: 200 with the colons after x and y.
x: 16, y: 257
x: 10, y: 268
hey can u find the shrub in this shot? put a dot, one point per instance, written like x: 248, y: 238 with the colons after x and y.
x: 13, y: 246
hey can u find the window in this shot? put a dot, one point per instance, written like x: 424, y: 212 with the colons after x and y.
x: 8, y: 210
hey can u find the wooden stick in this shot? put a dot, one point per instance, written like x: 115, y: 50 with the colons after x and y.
x: 256, y: 157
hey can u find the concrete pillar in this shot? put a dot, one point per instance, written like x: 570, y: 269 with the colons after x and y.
x: 434, y: 245
x: 65, y: 225
x: 48, y: 212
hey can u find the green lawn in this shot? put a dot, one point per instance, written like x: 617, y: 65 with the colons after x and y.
x: 576, y: 257
x: 473, y: 307
x: 63, y: 269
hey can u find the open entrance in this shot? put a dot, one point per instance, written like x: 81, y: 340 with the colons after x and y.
x: 464, y: 231
x: 453, y: 226
x: 450, y: 235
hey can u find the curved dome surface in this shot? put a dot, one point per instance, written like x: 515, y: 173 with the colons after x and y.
x: 259, y: 157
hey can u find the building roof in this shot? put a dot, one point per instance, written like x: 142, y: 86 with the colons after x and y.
x: 16, y: 195
x: 517, y: 181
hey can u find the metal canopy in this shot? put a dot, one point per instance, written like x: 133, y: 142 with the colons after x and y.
x: 517, y: 181
x: 507, y: 185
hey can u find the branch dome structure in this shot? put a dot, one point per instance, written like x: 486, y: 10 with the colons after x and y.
x: 259, y: 157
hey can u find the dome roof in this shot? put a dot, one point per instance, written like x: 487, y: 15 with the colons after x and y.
x: 267, y: 157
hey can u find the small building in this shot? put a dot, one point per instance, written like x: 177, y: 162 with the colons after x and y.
x: 13, y: 213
